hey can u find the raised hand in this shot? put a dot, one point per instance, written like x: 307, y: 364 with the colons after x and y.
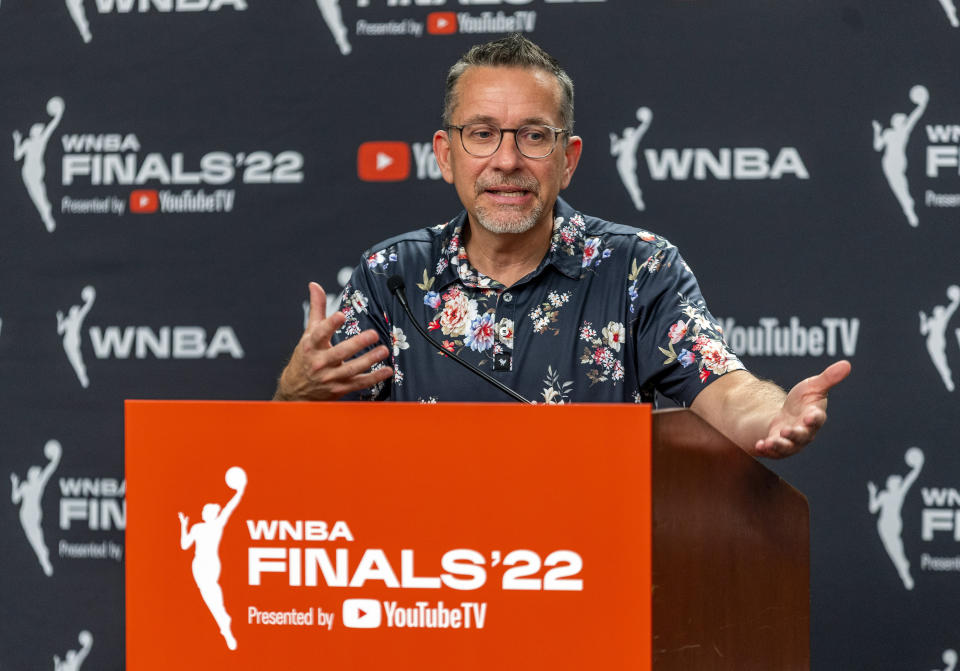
x: 321, y: 371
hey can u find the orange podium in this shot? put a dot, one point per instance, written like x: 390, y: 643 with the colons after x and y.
x: 455, y: 536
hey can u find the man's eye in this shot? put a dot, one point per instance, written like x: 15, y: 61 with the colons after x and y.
x: 534, y: 135
x: 482, y: 134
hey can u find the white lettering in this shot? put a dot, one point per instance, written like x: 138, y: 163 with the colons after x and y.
x: 940, y: 519
x: 941, y: 157
x: 109, y: 342
x: 189, y: 342
x: 110, y: 142
x: 224, y: 341
x: 788, y: 161
x: 943, y: 133
x: 489, y: 22
x: 374, y: 566
x: 463, y: 563
x: 157, y: 343
x: 126, y: 6
x: 747, y: 163
x: 407, y: 574
x: 427, y: 167
x: 771, y: 338
x: 265, y: 560
x: 940, y: 497
x: 298, y: 530
x: 93, y: 487
x: 99, y: 513
x: 319, y: 557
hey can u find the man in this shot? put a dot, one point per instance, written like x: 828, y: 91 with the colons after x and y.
x: 562, y: 306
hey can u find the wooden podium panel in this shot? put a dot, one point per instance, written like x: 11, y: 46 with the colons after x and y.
x: 531, y: 525
x: 731, y: 556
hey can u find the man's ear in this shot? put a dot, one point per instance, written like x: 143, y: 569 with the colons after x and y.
x: 441, y: 149
x: 571, y: 157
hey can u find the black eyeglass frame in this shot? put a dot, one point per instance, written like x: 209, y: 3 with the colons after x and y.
x: 558, y: 133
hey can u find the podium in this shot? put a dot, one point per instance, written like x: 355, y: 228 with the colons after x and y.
x: 731, y: 555
x: 456, y: 536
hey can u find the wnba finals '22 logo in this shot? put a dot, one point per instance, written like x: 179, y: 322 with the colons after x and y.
x: 939, y: 521
x: 941, y: 157
x: 205, y: 538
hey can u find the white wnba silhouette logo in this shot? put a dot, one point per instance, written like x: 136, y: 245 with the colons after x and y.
x: 893, y: 143
x: 206, y: 536
x: 330, y: 9
x: 69, y: 327
x: 32, y: 149
x: 889, y: 503
x: 74, y: 658
x: 28, y: 493
x: 934, y: 328
x: 625, y: 148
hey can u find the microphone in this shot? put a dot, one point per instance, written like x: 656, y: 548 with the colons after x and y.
x: 396, y: 286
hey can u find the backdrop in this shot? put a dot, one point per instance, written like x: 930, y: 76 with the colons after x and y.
x: 176, y: 171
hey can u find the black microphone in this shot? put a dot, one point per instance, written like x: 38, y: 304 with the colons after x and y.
x: 396, y: 286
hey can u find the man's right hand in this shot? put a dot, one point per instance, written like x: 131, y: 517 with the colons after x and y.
x: 321, y: 371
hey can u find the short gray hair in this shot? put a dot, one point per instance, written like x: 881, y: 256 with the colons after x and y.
x: 514, y: 50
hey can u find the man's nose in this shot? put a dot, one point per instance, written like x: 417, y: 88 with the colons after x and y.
x: 507, y: 157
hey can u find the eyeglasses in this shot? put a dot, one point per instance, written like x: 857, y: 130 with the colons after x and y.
x: 533, y: 141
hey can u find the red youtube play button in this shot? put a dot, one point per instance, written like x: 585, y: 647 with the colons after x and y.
x: 441, y: 23
x: 144, y: 201
x: 383, y: 161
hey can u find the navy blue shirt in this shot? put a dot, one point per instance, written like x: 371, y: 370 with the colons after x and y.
x: 609, y: 315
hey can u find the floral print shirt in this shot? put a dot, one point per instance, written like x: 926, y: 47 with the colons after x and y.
x: 611, y: 314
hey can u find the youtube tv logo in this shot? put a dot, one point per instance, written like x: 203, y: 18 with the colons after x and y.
x: 361, y: 613
x: 144, y: 201
x: 441, y: 23
x: 383, y: 161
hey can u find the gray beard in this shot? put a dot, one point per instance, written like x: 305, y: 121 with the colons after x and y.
x: 508, y: 222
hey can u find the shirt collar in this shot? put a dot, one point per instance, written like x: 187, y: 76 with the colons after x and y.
x: 565, y: 253
x: 566, y: 246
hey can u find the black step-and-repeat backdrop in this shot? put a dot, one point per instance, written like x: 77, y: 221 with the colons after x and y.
x: 176, y: 171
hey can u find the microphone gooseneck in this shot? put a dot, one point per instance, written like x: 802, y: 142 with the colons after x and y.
x: 396, y: 286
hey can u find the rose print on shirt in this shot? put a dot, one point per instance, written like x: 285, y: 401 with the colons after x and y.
x: 701, y: 343
x: 599, y: 352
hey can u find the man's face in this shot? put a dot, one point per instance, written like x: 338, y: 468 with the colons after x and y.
x: 507, y: 192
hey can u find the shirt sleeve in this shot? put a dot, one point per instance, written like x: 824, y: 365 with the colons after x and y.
x: 680, y: 345
x: 361, y: 304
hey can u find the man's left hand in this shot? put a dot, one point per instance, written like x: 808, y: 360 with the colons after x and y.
x: 804, y: 411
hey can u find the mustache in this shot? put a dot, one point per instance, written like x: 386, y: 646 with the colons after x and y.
x: 520, y: 182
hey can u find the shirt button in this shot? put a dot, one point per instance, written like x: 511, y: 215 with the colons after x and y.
x: 507, y: 297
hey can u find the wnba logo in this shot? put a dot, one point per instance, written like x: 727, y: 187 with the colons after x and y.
x: 32, y: 150
x: 28, y: 494
x: 205, y: 538
x: 138, y: 342
x: 934, y: 329
x: 887, y: 504
x: 696, y: 163
x: 892, y: 142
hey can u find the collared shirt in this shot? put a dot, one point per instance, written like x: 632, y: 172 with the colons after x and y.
x: 609, y: 315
